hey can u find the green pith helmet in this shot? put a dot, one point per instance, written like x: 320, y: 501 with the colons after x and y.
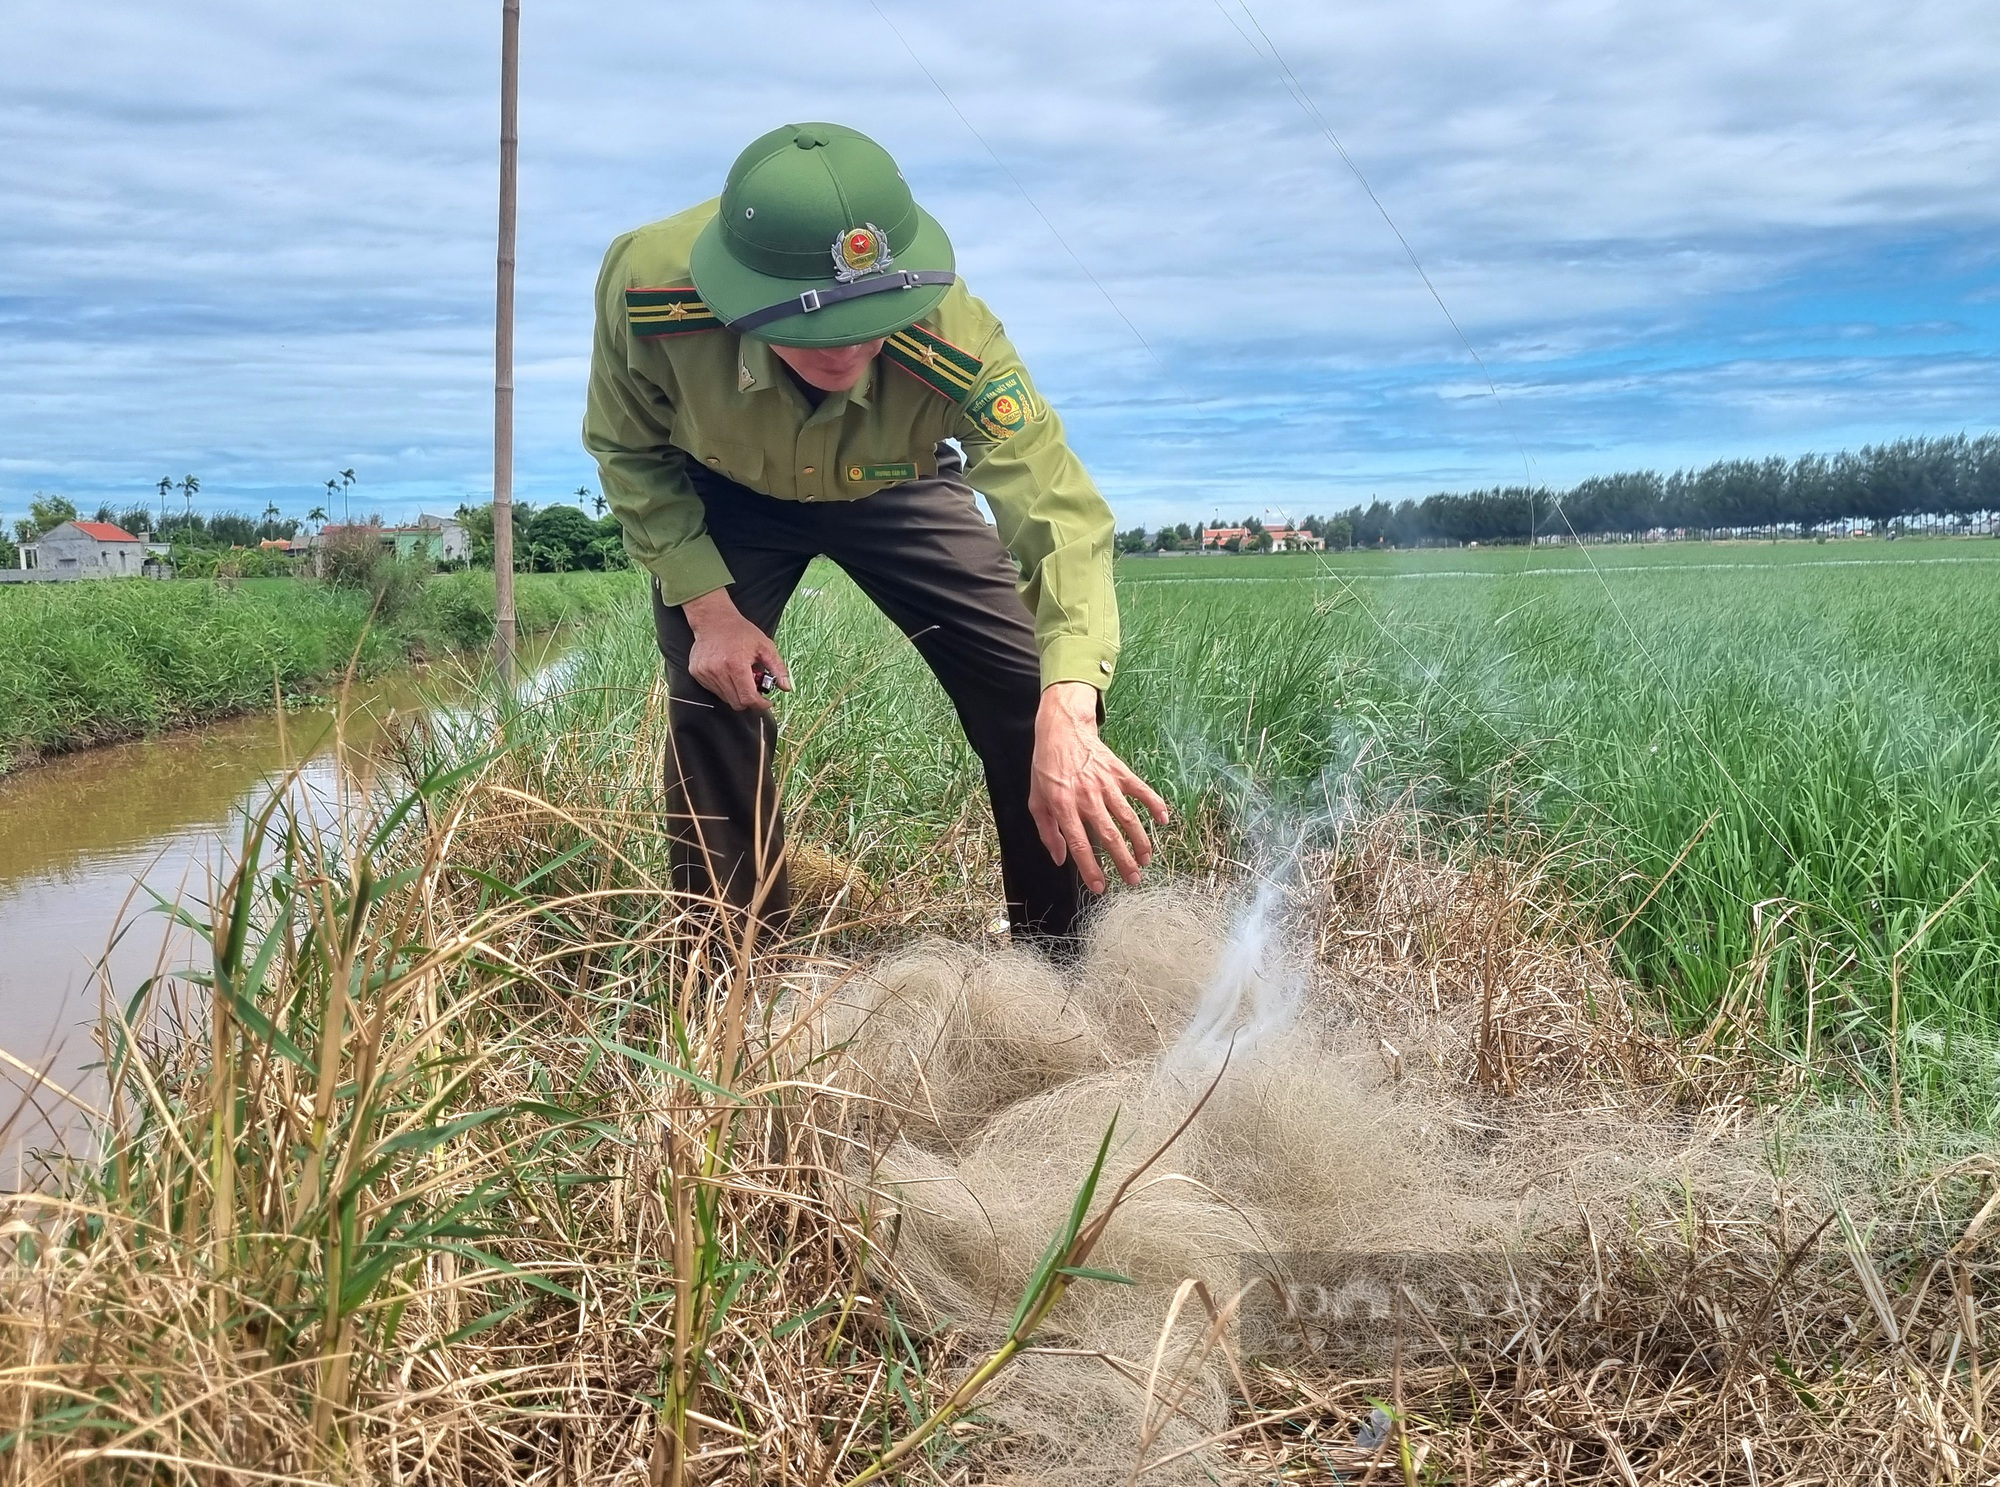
x: 818, y: 243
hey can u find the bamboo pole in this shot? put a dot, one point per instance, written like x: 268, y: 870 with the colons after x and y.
x: 503, y: 346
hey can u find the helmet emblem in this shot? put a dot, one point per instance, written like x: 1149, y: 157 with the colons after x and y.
x: 860, y: 251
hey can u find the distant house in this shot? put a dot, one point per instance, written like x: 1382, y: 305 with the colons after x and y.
x: 442, y: 537
x: 82, y: 549
x: 432, y: 539
x: 1283, y: 539
x: 1296, y: 539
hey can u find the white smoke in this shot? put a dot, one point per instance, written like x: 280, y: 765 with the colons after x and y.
x: 1254, y: 995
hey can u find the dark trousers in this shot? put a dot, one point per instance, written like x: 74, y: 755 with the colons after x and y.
x: 926, y: 557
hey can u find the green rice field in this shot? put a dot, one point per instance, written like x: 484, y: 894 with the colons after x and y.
x: 1774, y: 769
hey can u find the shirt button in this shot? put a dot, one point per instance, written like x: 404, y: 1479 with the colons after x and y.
x: 713, y: 460
x: 1105, y: 667
x: 808, y: 469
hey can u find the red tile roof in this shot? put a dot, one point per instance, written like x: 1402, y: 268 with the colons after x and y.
x: 104, y: 531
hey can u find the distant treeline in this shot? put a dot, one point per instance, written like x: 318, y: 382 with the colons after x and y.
x: 547, y: 539
x: 1947, y: 480
x: 1880, y: 485
x: 188, y: 528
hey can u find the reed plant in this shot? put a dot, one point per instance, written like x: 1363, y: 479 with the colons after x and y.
x: 478, y: 1154
x: 427, y: 1162
x: 1770, y: 773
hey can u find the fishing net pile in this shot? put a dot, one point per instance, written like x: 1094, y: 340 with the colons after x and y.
x: 1392, y: 1059
x: 985, y: 1081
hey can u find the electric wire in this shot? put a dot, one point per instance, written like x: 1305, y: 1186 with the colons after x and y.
x: 1460, y: 700
x: 1008, y: 171
x: 1297, y: 90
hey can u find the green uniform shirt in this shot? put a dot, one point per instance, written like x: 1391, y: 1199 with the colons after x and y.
x: 669, y: 384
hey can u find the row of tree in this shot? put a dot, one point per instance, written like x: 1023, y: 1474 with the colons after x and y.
x: 1937, y: 481
x: 189, y: 527
x: 186, y: 527
x: 550, y: 539
x: 1942, y: 482
x: 556, y: 538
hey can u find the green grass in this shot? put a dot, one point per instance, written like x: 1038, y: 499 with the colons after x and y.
x: 1838, y: 722
x: 463, y: 1097
x: 1820, y: 739
x: 94, y: 662
x: 1817, y: 729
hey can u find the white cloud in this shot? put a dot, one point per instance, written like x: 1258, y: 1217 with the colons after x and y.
x: 257, y: 242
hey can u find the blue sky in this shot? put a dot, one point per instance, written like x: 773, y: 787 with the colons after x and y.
x: 255, y: 241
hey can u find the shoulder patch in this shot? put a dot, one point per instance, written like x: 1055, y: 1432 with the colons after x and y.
x: 1003, y: 406
x: 668, y: 312
x: 935, y: 362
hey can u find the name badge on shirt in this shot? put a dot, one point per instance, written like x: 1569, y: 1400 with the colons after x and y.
x: 881, y: 472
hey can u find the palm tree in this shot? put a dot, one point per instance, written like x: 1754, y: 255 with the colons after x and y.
x: 318, y: 514
x: 331, y: 487
x: 190, y: 486
x: 583, y: 494
x: 166, y: 487
x: 346, y: 484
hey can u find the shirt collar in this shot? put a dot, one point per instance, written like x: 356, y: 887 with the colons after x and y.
x: 759, y: 370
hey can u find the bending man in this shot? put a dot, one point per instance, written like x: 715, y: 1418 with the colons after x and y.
x: 774, y: 378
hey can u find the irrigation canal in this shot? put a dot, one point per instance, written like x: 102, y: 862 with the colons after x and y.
x: 84, y: 837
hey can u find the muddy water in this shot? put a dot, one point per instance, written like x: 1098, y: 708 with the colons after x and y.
x: 83, y: 838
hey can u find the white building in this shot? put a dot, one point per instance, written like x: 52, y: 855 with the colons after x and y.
x: 82, y: 549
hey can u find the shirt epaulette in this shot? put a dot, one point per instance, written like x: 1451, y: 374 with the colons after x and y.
x: 935, y: 362
x: 668, y: 312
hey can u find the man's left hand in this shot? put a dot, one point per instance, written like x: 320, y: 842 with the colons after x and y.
x: 1078, y: 797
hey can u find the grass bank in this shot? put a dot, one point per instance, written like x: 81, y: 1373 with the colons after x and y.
x: 92, y: 663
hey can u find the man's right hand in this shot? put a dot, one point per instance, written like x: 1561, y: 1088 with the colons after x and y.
x: 729, y: 650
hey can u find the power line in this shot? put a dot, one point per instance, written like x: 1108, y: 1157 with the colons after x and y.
x: 1304, y: 99
x: 1006, y: 169
x: 1296, y: 88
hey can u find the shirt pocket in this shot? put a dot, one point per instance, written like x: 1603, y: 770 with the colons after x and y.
x: 742, y: 463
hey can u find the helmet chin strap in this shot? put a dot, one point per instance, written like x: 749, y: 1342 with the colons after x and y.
x: 819, y: 299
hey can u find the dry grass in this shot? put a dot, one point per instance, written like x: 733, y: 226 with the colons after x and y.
x: 485, y: 1158
x: 1692, y: 1263
x: 1817, y: 1314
